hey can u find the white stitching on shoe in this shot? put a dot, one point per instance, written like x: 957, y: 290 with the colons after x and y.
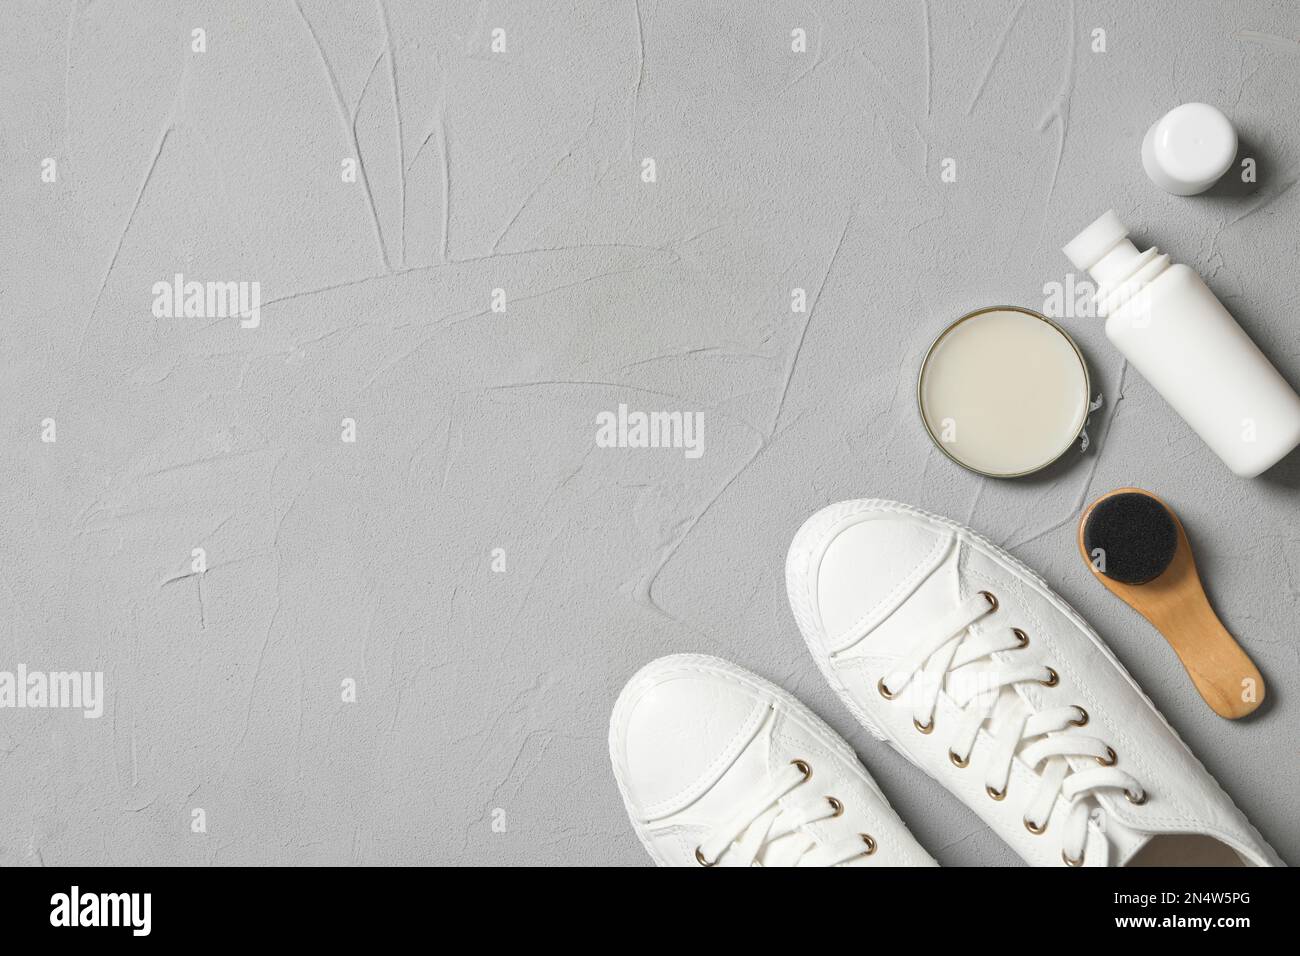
x: 752, y: 724
x: 874, y: 616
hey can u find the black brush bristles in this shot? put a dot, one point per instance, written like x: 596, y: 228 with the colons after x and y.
x: 1130, y: 538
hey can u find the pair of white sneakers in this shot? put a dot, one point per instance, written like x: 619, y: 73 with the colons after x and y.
x: 963, y: 660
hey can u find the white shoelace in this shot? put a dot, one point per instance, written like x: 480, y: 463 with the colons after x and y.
x: 953, y: 660
x: 764, y: 833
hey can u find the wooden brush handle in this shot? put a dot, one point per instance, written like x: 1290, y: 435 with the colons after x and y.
x: 1175, y: 603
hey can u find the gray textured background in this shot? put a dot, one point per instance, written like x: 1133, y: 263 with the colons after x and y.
x: 520, y: 170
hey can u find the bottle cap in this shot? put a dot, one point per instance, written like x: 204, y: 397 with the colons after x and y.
x: 1087, y: 248
x: 1187, y: 150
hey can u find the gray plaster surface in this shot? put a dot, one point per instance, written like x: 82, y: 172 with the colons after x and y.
x: 478, y: 733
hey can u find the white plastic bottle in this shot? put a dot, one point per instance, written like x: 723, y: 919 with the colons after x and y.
x: 1176, y: 332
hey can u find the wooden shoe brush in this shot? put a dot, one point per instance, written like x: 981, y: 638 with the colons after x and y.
x: 1136, y: 546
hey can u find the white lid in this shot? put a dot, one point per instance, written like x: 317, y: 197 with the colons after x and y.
x: 1187, y: 150
x: 1087, y: 248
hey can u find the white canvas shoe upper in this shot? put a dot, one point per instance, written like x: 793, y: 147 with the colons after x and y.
x: 719, y: 767
x: 965, y: 661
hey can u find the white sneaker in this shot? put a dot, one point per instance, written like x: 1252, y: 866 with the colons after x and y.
x: 961, y: 658
x: 718, y: 767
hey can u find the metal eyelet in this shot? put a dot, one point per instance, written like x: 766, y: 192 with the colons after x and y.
x: 1053, y: 678
x: 836, y: 805
x: 870, y: 841
x: 699, y: 858
x: 958, y: 761
x: 1110, y: 759
x: 804, y: 768
x: 923, y: 728
x: 1071, y: 862
x: 992, y: 599
x: 1082, y: 719
x: 1021, y: 636
x: 885, y: 692
x: 995, y: 794
x: 1034, y: 828
x: 1137, y: 799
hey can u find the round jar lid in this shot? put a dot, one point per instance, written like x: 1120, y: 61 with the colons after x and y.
x: 1188, y: 150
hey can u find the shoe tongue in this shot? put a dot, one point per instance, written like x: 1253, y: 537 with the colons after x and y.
x: 1124, y: 841
x: 785, y: 850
